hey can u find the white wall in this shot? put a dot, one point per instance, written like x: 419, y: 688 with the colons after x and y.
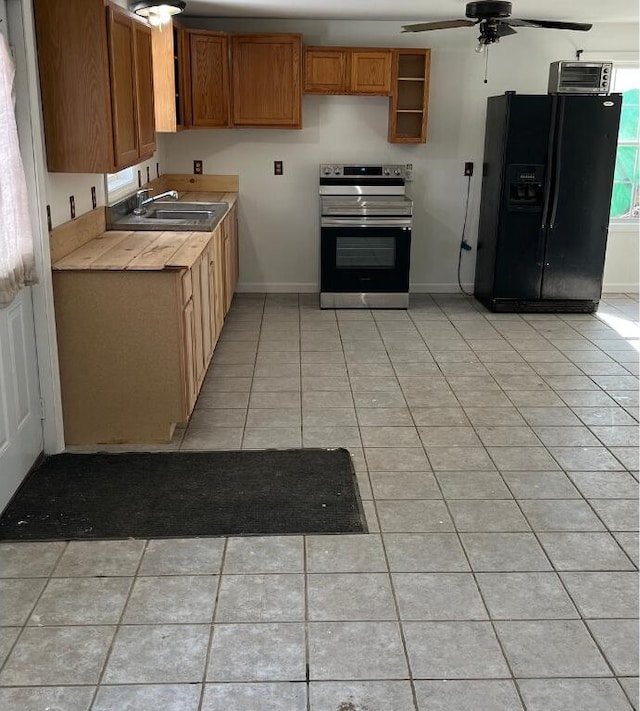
x: 279, y: 215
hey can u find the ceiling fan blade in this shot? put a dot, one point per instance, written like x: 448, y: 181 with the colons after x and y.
x: 504, y: 30
x: 445, y: 25
x: 549, y: 24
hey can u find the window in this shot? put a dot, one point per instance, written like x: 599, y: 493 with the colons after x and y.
x: 119, y: 184
x: 625, y: 201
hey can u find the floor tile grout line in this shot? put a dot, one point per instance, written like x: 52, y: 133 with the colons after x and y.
x: 334, y: 680
x: 307, y: 654
x: 253, y: 375
x: 399, y: 623
x: 117, y: 626
x: 209, y: 648
x: 340, y: 572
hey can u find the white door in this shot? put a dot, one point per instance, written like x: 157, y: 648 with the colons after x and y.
x: 20, y: 413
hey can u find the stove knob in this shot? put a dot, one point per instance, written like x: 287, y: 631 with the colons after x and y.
x: 387, y: 171
x: 336, y: 171
x: 396, y: 171
x: 327, y: 171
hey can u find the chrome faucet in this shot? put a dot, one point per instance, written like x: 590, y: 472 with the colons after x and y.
x: 141, y: 201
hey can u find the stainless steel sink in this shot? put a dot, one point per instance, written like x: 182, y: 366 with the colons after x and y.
x: 167, y: 215
x: 178, y: 215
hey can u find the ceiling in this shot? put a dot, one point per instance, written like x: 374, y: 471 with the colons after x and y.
x: 412, y: 10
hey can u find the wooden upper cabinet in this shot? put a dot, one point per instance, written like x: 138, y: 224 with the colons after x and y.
x: 370, y: 72
x: 409, y: 100
x: 95, y: 83
x: 325, y: 71
x: 144, y: 91
x: 170, y: 76
x: 123, y: 87
x: 209, y: 78
x: 266, y: 80
x: 347, y: 70
x: 74, y: 84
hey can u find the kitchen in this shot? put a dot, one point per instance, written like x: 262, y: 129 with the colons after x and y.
x: 278, y: 214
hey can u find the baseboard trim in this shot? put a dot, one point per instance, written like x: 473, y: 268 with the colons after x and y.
x: 271, y: 288
x: 620, y: 288
x: 309, y: 288
x: 438, y: 288
x: 416, y: 288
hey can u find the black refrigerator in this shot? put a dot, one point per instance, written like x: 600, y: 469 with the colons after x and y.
x: 546, y: 193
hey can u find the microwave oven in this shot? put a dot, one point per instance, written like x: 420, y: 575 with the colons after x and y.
x: 580, y: 77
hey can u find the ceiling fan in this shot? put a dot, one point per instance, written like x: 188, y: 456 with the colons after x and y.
x: 494, y: 20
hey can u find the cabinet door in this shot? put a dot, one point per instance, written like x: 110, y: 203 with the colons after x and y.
x: 325, y: 71
x: 209, y: 79
x: 219, y: 278
x: 123, y: 88
x: 144, y: 91
x: 266, y: 80
x: 215, y: 315
x: 73, y: 57
x: 198, y: 337
x: 190, y: 381
x: 370, y: 72
x: 206, y: 300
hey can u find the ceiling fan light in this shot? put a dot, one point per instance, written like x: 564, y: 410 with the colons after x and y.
x: 158, y: 12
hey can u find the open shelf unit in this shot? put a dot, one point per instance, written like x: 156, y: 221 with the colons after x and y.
x: 409, y: 96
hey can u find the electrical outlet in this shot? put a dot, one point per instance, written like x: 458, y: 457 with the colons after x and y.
x: 277, y: 167
x: 468, y: 168
x: 197, y: 167
x: 94, y: 199
x: 72, y: 207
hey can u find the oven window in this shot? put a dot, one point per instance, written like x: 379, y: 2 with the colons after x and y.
x: 365, y: 252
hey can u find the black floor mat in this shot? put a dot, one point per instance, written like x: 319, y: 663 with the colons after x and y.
x: 182, y: 494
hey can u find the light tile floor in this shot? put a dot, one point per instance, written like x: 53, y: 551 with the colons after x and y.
x: 497, y: 457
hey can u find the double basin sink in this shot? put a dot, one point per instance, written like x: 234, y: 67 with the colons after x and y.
x: 167, y: 215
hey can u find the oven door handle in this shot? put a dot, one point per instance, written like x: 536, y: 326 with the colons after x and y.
x: 369, y: 222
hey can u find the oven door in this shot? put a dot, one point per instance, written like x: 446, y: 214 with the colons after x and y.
x: 365, y: 255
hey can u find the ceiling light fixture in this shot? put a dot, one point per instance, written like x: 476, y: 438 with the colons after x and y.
x: 158, y: 12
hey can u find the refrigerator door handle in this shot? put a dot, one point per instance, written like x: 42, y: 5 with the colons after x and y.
x: 550, y: 148
x: 558, y: 165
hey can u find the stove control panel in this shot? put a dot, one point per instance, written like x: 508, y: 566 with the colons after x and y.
x: 405, y: 171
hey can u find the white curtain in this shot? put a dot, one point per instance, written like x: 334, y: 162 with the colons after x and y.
x: 16, y: 241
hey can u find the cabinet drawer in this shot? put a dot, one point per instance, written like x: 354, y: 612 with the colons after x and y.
x: 187, y: 286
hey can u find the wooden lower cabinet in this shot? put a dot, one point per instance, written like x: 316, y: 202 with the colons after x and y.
x: 135, y: 345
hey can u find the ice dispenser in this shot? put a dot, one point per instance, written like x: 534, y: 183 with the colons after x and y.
x: 526, y: 187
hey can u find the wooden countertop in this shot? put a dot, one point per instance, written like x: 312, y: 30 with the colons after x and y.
x: 117, y: 251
